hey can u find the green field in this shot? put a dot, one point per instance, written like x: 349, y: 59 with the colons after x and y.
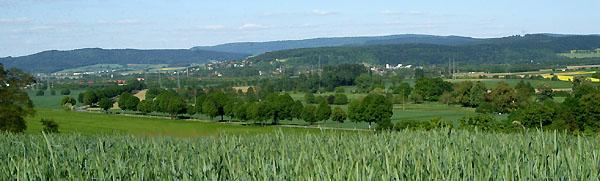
x: 490, y: 83
x: 580, y: 55
x: 48, y: 101
x: 92, y: 68
x: 404, y: 155
x: 97, y: 123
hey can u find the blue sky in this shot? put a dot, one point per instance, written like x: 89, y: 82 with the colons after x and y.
x: 31, y: 26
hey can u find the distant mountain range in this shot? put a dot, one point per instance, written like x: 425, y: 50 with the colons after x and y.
x: 256, y: 48
x: 407, y: 48
x: 53, y: 61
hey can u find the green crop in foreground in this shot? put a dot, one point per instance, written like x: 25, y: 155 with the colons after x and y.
x: 406, y: 155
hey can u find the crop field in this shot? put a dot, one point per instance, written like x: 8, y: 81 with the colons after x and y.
x: 580, y: 55
x: 490, y: 83
x: 404, y: 155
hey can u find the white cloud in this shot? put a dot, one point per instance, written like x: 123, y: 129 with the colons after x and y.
x: 14, y: 20
x: 211, y: 27
x: 322, y: 13
x: 389, y: 12
x: 253, y: 26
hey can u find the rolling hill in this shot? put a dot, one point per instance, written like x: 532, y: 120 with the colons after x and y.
x: 53, y: 61
x: 507, y: 50
x: 256, y: 48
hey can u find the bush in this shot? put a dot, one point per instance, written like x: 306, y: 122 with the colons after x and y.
x: 434, y: 123
x: 50, y: 126
x: 65, y: 91
x: 340, y: 99
x: 561, y: 93
x: 39, y: 93
x: 330, y: 99
x: 485, y: 108
x: 53, y: 92
x: 340, y: 90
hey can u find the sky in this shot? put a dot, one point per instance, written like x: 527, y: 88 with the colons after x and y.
x: 31, y: 26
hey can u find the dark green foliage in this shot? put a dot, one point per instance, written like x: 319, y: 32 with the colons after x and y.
x: 80, y: 97
x: 416, y: 98
x: 521, y: 85
x: 480, y: 121
x: 39, y: 93
x: 65, y: 91
x: 544, y: 92
x: 534, y: 115
x: 596, y: 75
x: 403, y: 89
x: 446, y: 98
x: 589, y: 118
x: 419, y: 74
x: 53, y: 92
x: 462, y: 93
x: 432, y: 89
x: 105, y: 103
x: 477, y: 94
x: 209, y: 108
x: 90, y: 97
x: 49, y: 126
x: 308, y: 114
x: 128, y: 101
x: 368, y: 81
x: 151, y: 93
x: 330, y: 99
x: 373, y: 108
x: 241, y: 112
x: 68, y: 102
x: 340, y: 99
x: 250, y: 95
x: 171, y: 103
x: 145, y: 106
x: 309, y: 98
x: 485, y: 108
x: 14, y: 101
x: 323, y: 112
x: 218, y: 100
x: 503, y: 98
x: 338, y: 115
x: 341, y: 75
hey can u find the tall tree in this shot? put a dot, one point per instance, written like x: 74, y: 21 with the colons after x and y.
x: 105, y: 104
x: 14, y: 102
x: 323, y: 112
x: 544, y: 92
x: 372, y: 109
x: 308, y: 114
x: 90, y: 97
x: 68, y: 102
x: 338, y: 115
x: 462, y: 93
x: 503, y: 98
x: 478, y: 93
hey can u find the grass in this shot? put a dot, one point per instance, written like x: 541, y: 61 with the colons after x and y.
x: 405, y: 155
x: 96, y: 123
x: 491, y: 83
x: 92, y: 68
x: 48, y: 101
x: 580, y: 55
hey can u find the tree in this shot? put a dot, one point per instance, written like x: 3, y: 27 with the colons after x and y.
x: 478, y: 93
x: 308, y: 114
x: 340, y: 99
x: 105, y: 103
x: 39, y: 93
x: 65, y: 91
x: 373, y: 108
x: 49, y: 126
x: 53, y: 92
x: 250, y: 95
x: 590, y: 112
x: 446, y: 98
x: 68, y: 102
x: 416, y: 98
x: 534, y: 115
x: 176, y: 106
x: 209, y: 108
x: 432, y: 89
x: 503, y: 98
x: 145, y: 106
x: 323, y: 111
x: 219, y: 100
x: 90, y: 97
x: 241, y: 112
x: 309, y: 98
x: 462, y: 93
x: 80, y: 97
x: 338, y: 115
x: 14, y: 101
x: 521, y: 85
x: 297, y: 109
x: 128, y: 101
x: 544, y: 92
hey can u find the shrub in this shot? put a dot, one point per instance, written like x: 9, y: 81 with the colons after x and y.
x: 65, y: 91
x: 50, y: 126
x: 340, y: 99
x: 39, y: 93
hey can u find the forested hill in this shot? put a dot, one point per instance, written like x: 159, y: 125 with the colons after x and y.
x: 508, y: 50
x: 256, y: 48
x: 53, y: 61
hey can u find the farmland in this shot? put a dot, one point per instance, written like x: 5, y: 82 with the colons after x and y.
x: 404, y: 155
